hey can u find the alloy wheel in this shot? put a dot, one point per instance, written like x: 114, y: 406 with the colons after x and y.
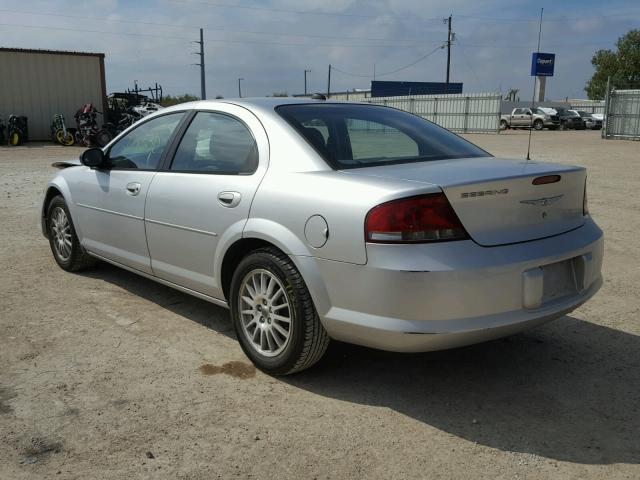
x: 61, y: 233
x: 265, y: 312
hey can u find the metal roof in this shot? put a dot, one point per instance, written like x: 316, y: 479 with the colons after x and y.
x: 50, y: 52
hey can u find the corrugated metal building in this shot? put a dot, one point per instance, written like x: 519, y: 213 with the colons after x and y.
x: 386, y: 88
x: 41, y: 83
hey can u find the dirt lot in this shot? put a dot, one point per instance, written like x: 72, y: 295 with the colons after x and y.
x: 107, y: 375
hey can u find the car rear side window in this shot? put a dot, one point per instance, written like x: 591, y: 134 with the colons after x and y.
x: 142, y: 147
x: 216, y: 143
x: 356, y: 135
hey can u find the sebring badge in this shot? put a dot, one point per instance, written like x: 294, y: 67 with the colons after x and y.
x: 485, y: 193
x: 543, y: 202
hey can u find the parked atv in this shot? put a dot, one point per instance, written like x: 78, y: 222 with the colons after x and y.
x: 60, y: 133
x: 17, y: 130
x: 88, y: 132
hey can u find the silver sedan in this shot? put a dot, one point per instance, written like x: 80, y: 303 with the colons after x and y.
x: 315, y: 220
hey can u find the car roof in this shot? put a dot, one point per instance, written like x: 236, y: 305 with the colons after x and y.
x: 257, y: 103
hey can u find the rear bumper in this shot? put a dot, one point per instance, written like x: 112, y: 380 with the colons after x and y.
x: 428, y: 297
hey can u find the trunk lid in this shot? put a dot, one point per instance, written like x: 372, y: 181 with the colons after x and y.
x: 496, y: 200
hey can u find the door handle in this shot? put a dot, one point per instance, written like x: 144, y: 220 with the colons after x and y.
x: 133, y: 188
x: 229, y: 199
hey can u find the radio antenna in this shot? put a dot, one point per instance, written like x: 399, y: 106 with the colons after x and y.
x: 533, y: 97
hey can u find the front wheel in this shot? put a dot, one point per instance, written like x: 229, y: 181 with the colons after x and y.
x: 65, y: 246
x: 64, y: 139
x: 274, y: 317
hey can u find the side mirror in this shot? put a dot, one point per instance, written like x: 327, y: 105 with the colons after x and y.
x: 93, y: 157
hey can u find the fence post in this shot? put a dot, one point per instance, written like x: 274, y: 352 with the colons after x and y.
x: 605, y: 118
x: 435, y: 110
x: 466, y: 114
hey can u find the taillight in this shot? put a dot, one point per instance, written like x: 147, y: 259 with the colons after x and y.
x: 585, y: 205
x: 426, y: 218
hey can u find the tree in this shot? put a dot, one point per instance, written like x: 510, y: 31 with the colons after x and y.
x: 169, y: 100
x: 622, y: 66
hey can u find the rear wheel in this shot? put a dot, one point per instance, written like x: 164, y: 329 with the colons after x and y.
x: 65, y: 246
x: 538, y: 125
x: 503, y: 125
x: 274, y: 317
x: 103, y: 137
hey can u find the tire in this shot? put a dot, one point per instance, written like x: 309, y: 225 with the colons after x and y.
x: 103, y: 137
x: 538, y: 125
x: 258, y: 323
x: 503, y: 125
x: 66, y: 140
x: 72, y: 257
x: 15, y: 139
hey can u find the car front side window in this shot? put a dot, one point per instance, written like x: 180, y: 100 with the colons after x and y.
x: 216, y: 143
x: 142, y: 147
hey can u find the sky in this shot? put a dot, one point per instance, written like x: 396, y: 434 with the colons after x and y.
x: 269, y: 43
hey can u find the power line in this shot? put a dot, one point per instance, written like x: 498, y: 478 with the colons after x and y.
x: 208, y: 27
x: 439, y: 47
x: 40, y: 27
x: 255, y: 42
x: 297, y: 12
x: 556, y: 19
x: 312, y: 45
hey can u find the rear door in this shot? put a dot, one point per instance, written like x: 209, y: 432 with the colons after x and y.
x: 111, y: 201
x: 203, y: 195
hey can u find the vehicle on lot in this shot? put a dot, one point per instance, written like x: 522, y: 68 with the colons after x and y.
x: 547, y: 110
x: 314, y: 220
x: 570, y: 120
x: 527, y: 118
x: 88, y: 132
x: 17, y: 130
x: 60, y: 133
x: 590, y: 121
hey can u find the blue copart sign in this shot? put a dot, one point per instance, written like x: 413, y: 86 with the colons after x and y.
x: 542, y: 64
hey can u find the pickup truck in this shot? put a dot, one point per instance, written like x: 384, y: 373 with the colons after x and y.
x: 527, y: 117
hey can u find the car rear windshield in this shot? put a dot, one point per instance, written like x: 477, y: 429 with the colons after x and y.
x: 352, y: 136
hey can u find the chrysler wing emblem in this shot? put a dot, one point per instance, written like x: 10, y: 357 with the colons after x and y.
x: 543, y: 202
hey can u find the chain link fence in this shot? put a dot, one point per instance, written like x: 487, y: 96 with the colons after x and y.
x: 622, y: 115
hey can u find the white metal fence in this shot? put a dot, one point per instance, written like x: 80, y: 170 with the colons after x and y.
x: 591, y: 106
x: 465, y: 113
x: 622, y: 115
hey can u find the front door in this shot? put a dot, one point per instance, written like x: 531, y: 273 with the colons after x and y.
x: 110, y: 202
x: 204, y: 195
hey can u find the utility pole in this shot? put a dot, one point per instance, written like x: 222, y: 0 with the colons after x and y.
x: 329, y: 82
x: 448, y: 21
x: 305, y: 80
x: 240, y: 88
x: 203, y: 91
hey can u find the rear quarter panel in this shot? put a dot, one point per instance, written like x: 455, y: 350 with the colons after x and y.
x: 286, y: 200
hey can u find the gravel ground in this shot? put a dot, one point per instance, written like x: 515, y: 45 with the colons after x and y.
x: 107, y: 375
